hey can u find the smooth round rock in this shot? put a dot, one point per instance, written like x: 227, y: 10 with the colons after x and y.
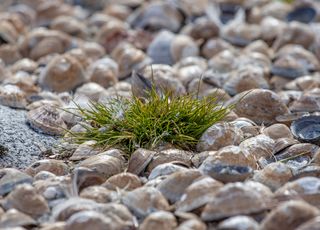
x: 159, y: 49
x: 105, y: 164
x: 92, y: 220
x: 229, y: 164
x: 104, y: 72
x: 85, y: 150
x: 239, y: 223
x: 259, y: 105
x: 126, y: 181
x: 139, y: 160
x: 145, y: 200
x: 63, y: 73
x: 14, y: 218
x: 56, y: 167
x: 237, y: 199
x: 175, y: 184
x: 183, y: 46
x: 200, y: 192
x: 165, y: 169
x: 158, y: 221
x: 289, y: 215
x: 171, y: 155
x: 26, y: 199
x: 10, y: 178
x: 192, y: 224
x: 98, y: 194
x: 274, y: 175
x: 219, y: 135
x: 302, y: 185
x: 259, y: 146
x: 277, y: 131
x: 91, y: 90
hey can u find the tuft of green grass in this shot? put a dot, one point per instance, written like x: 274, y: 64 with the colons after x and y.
x: 288, y: 1
x: 133, y: 123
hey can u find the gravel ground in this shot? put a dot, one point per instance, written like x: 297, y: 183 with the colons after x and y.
x: 19, y: 144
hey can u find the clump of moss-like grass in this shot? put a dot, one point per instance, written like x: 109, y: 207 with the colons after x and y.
x: 133, y: 123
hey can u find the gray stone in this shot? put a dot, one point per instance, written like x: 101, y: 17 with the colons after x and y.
x: 20, y: 145
x: 159, y: 49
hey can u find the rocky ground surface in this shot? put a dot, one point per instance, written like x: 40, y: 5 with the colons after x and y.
x: 20, y: 144
x: 259, y: 168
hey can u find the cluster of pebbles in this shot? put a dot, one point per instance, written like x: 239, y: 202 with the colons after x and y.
x: 257, y: 169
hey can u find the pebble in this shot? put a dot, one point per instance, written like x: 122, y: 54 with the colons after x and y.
x: 259, y: 105
x: 144, y: 201
x: 289, y: 215
x: 239, y: 223
x: 14, y: 218
x: 274, y: 175
x: 219, y: 135
x: 98, y: 194
x: 63, y: 73
x: 237, y: 199
x: 10, y: 178
x: 174, y: 185
x: 25, y: 199
x: 126, y: 181
x: 197, y: 194
x: 159, y: 220
x: 56, y: 167
x: 105, y: 164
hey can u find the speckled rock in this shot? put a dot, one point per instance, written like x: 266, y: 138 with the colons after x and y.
x: 229, y: 164
x: 219, y: 135
x: 170, y: 155
x: 22, y: 145
x: 259, y: 105
x: 165, y: 169
x: 273, y: 175
x: 200, y: 192
x: 259, y: 146
x: 84, y: 151
x: 236, y: 199
x: 306, y: 188
x: 145, y: 200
